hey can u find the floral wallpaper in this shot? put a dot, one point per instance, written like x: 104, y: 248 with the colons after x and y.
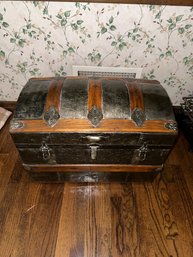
x: 47, y: 38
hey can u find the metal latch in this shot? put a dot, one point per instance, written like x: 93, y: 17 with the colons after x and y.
x: 142, y: 152
x: 93, y: 151
x: 45, y: 151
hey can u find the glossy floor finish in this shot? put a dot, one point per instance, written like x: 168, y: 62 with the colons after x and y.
x: 141, y: 219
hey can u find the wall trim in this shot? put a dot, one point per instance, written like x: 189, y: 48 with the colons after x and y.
x: 9, y: 105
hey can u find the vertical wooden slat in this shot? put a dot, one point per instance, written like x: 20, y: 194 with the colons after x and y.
x: 136, y: 96
x: 53, y: 96
x: 95, y: 94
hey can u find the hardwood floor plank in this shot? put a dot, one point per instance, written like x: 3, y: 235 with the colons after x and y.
x: 157, y: 223
x: 72, y: 221
x: 106, y: 221
x: 124, y: 221
x: 7, y: 164
x: 182, y: 209
x: 135, y: 219
x: 182, y: 157
x: 31, y: 225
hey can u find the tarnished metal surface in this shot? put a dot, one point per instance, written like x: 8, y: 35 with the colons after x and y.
x: 31, y: 102
x: 157, y: 103
x: 115, y: 100
x: 93, y: 154
x: 35, y: 155
x: 74, y: 99
x: 114, y: 139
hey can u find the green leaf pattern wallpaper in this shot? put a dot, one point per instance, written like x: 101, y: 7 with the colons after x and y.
x: 47, y: 38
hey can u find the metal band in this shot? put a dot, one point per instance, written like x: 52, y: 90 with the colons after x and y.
x: 74, y: 98
x: 31, y: 102
x: 115, y: 99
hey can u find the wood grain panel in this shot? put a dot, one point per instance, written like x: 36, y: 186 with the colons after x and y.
x: 94, y: 167
x: 95, y: 94
x: 83, y: 125
x: 136, y: 97
x: 157, y: 223
x: 53, y: 96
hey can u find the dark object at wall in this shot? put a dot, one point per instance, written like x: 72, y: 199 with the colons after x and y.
x: 184, y: 116
x: 86, y: 125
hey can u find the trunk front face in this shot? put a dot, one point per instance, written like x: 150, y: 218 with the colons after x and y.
x: 93, y: 155
x: 84, y: 148
x: 93, y: 121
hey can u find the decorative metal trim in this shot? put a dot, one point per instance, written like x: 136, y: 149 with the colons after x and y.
x: 142, y: 152
x: 16, y: 124
x: 45, y: 150
x: 171, y: 125
x: 160, y: 168
x: 138, y: 116
x: 95, y: 116
x: 51, y: 116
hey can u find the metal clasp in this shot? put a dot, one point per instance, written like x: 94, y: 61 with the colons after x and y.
x: 94, y: 151
x: 94, y: 139
x: 142, y: 152
x: 45, y: 151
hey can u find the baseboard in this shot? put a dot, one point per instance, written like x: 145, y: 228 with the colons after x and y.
x: 8, y: 105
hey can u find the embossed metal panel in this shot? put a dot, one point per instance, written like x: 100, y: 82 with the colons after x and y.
x: 74, y: 99
x: 83, y: 155
x: 115, y: 99
x: 156, y: 101
x: 31, y: 102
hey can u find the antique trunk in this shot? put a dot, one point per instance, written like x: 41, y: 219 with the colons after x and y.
x: 92, y: 129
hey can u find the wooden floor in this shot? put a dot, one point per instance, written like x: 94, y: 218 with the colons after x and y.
x: 141, y: 219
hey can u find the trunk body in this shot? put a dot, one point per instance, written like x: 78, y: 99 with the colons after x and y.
x: 92, y: 126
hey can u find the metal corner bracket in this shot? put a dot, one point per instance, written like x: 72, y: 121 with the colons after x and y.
x: 51, y: 116
x: 16, y: 124
x: 138, y: 117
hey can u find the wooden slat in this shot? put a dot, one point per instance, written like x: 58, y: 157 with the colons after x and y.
x: 94, y: 167
x: 83, y: 125
x: 9, y: 105
x: 95, y: 94
x: 136, y: 97
x: 53, y: 96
